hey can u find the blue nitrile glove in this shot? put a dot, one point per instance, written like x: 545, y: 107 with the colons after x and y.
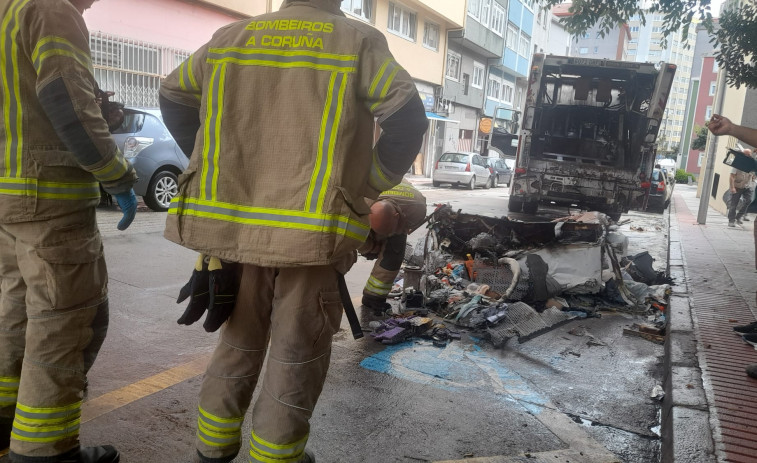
x: 127, y: 201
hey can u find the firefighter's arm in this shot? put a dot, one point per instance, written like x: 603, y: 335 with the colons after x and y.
x: 390, y: 95
x: 180, y: 100
x: 58, y: 43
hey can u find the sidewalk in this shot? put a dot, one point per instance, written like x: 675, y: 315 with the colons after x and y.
x: 710, y: 410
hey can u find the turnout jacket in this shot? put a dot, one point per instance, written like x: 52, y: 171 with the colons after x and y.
x: 54, y: 143
x: 410, y: 202
x: 283, y: 160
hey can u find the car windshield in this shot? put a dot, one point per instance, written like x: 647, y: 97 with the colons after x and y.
x: 455, y: 157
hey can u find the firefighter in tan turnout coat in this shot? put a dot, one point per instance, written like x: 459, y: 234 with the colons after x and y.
x: 54, y: 149
x: 278, y: 112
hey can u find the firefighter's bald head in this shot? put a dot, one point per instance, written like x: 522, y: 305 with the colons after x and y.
x: 386, y: 219
x: 82, y: 5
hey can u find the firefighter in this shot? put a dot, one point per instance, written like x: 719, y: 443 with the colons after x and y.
x: 393, y: 216
x: 54, y: 149
x: 282, y: 109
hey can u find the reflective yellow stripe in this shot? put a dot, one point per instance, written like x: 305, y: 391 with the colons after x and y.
x: 267, y: 217
x: 385, y: 89
x: 218, y: 419
x: 49, y: 410
x: 379, y: 75
x: 268, y: 451
x: 113, y: 170
x: 219, y: 118
x: 377, y: 179
x: 191, y: 74
x: 211, y: 144
x: 48, y: 190
x: 182, y: 84
x: 52, y: 46
x: 256, y: 456
x: 12, y: 105
x: 283, y: 58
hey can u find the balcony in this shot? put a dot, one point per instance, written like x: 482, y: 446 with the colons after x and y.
x: 479, y: 39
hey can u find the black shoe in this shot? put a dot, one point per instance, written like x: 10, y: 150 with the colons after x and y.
x: 377, y: 304
x: 101, y: 454
x: 746, y: 329
x: 750, y: 338
x: 5, y: 434
x: 751, y: 370
x: 308, y: 457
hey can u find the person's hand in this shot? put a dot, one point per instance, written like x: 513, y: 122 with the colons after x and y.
x: 127, y: 201
x: 719, y: 125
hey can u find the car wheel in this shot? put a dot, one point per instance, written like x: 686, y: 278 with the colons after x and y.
x: 514, y: 205
x: 163, y: 187
x: 488, y: 183
x: 495, y: 181
x: 472, y: 183
x: 436, y: 184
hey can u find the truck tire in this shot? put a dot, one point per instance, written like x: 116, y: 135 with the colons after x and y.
x: 530, y: 208
x: 514, y: 205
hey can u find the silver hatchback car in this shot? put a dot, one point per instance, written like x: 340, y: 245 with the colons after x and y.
x: 158, y: 160
x: 462, y: 168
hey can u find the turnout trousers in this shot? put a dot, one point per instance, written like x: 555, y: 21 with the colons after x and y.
x: 53, y: 320
x: 292, y: 313
x: 386, y: 267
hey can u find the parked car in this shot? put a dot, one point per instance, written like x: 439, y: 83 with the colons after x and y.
x: 660, y: 191
x: 503, y: 174
x: 158, y: 160
x: 462, y: 168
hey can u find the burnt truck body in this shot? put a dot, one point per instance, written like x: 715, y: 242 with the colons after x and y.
x: 589, y: 132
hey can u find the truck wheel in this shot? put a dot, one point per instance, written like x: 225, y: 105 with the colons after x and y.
x: 436, y: 184
x: 472, y: 183
x: 495, y: 181
x: 530, y: 208
x: 514, y: 205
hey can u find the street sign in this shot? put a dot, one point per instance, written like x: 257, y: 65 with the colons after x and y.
x: 485, y: 125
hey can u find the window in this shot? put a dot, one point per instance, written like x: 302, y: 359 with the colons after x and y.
x: 583, y: 51
x: 473, y: 7
x: 493, y: 87
x: 360, y: 8
x: 586, y: 35
x: 512, y: 37
x: 524, y: 46
x: 713, y: 85
x: 453, y: 65
x: 701, y: 158
x: 485, y: 9
x: 596, y: 50
x: 656, y: 29
x: 478, y: 75
x: 466, y: 83
x: 507, y: 92
x: 715, y: 67
x: 431, y: 36
x: 634, y: 28
x: 708, y: 113
x: 498, y: 19
x: 401, y: 21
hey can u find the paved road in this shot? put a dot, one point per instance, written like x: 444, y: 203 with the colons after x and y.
x: 557, y: 397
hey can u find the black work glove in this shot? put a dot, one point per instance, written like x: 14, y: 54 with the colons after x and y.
x: 213, y: 287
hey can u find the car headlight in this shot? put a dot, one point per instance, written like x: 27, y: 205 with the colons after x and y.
x: 134, y: 145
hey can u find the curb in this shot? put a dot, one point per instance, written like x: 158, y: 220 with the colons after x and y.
x: 686, y: 431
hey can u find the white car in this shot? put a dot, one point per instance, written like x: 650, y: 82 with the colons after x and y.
x: 462, y: 168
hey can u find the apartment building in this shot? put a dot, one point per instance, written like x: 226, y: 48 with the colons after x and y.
x: 470, y: 52
x: 704, y: 75
x: 136, y: 43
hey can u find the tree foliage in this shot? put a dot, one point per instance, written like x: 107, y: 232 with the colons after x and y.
x: 700, y: 141
x: 736, y: 39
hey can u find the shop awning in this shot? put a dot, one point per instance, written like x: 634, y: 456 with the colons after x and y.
x: 436, y: 117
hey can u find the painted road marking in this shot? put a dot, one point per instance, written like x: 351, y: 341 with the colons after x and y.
x: 456, y: 368
x: 114, y: 400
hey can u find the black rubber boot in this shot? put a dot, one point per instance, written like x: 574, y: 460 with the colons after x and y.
x: 101, y: 454
x: 308, y: 457
x: 5, y: 433
x: 203, y: 459
x: 377, y: 304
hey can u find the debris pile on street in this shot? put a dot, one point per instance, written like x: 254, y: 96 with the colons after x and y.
x: 500, y: 278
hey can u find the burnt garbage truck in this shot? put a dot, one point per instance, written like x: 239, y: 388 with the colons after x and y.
x: 588, y: 134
